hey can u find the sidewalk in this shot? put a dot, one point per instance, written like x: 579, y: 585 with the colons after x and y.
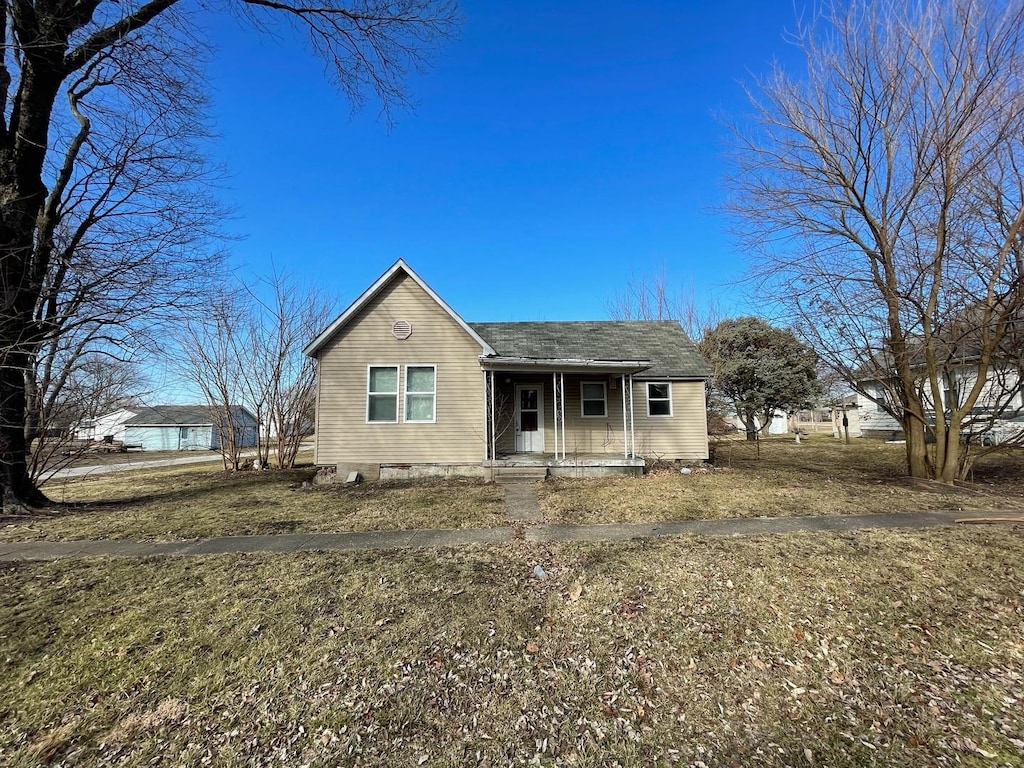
x: 369, y: 540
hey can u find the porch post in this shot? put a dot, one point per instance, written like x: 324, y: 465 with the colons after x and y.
x: 554, y: 409
x: 633, y: 437
x: 487, y: 434
x: 561, y: 377
x: 494, y: 429
x: 625, y: 425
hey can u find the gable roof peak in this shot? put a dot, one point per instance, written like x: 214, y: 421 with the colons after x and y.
x: 378, y: 285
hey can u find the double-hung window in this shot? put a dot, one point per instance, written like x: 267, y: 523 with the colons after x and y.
x: 659, y: 398
x: 382, y: 394
x: 594, y: 399
x: 420, y: 393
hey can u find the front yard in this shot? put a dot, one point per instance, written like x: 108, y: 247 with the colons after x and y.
x: 195, y: 502
x: 819, y: 477
x: 876, y: 648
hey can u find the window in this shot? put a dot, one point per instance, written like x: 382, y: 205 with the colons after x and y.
x: 659, y: 398
x: 592, y: 395
x: 420, y: 392
x: 382, y: 394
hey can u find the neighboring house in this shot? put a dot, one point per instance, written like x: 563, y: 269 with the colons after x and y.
x: 407, y: 386
x: 109, y: 425
x: 997, y: 416
x: 172, y: 427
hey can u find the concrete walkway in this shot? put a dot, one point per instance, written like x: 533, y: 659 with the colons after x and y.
x: 370, y: 540
x: 522, y: 502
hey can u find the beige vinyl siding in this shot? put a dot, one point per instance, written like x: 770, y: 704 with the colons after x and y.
x: 681, y: 436
x: 684, y: 435
x: 343, y: 434
x: 592, y: 434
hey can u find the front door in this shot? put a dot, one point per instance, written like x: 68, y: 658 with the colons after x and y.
x: 529, y: 418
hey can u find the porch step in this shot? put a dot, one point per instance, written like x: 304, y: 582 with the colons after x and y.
x: 520, y: 474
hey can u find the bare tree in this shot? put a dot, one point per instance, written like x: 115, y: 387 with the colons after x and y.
x: 881, y: 191
x: 247, y: 352
x: 207, y: 356
x: 283, y: 318
x: 128, y: 74
x: 649, y: 297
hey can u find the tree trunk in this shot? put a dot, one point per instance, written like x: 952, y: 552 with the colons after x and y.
x: 19, y: 492
x: 917, y: 448
x: 751, y: 427
x: 949, y: 470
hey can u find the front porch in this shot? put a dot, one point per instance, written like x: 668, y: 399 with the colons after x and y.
x: 575, y: 418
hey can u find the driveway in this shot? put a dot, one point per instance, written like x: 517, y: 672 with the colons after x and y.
x: 103, y: 469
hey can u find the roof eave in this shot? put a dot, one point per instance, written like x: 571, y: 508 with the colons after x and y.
x: 677, y: 376
x: 172, y: 424
x: 507, y: 363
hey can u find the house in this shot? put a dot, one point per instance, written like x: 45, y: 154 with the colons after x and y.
x: 997, y: 415
x: 172, y: 427
x: 109, y: 425
x: 406, y: 386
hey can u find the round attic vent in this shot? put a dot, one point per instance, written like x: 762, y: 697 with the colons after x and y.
x: 401, y: 330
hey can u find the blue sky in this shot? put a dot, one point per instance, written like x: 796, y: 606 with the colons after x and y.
x: 556, y: 149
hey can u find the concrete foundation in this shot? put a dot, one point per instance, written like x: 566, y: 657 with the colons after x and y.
x: 329, y: 475
x: 591, y: 466
x: 411, y: 471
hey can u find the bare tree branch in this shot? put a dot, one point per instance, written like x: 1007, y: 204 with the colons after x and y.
x: 875, y: 191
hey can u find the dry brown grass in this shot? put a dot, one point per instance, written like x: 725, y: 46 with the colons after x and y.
x: 876, y: 648
x: 821, y: 476
x: 190, y: 502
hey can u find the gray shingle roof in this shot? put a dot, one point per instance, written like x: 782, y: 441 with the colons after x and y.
x: 664, y: 343
x: 181, y: 415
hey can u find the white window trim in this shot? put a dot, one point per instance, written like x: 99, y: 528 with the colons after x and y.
x: 398, y: 385
x: 660, y: 400
x: 604, y: 399
x: 405, y: 399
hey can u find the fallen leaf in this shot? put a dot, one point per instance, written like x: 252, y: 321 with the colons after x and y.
x: 532, y: 647
x: 575, y: 592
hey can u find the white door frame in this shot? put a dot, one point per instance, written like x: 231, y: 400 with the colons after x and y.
x: 530, y: 442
